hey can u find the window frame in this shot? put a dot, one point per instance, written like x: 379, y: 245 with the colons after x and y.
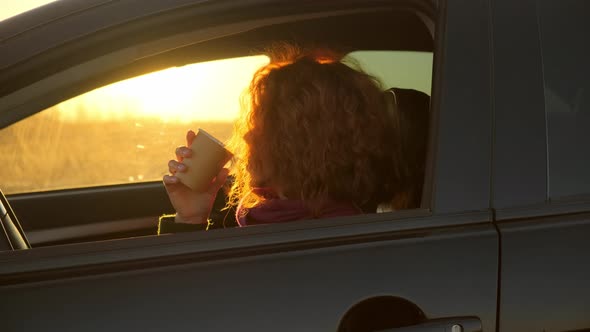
x: 438, y: 175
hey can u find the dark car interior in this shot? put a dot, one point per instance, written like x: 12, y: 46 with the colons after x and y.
x: 121, y: 211
x: 15, y: 238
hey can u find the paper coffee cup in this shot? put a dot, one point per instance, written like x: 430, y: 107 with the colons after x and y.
x: 209, y: 156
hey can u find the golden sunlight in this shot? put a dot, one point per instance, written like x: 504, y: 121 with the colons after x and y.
x: 207, y: 91
x: 11, y: 8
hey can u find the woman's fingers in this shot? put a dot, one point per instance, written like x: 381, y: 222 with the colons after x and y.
x: 190, y: 136
x: 183, y: 152
x: 175, y: 166
x: 173, y: 186
x: 170, y: 179
x: 171, y: 183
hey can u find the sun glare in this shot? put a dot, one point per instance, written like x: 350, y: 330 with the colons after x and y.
x: 207, y: 91
x: 11, y: 8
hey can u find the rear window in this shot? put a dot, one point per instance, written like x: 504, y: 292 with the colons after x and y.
x: 399, y: 69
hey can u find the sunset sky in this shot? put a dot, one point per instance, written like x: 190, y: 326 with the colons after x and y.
x: 206, y: 91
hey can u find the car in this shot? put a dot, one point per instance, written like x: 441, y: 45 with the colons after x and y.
x: 498, y: 243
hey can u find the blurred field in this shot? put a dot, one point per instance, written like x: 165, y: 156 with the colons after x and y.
x: 48, y: 153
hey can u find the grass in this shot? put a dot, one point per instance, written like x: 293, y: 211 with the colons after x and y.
x: 44, y: 152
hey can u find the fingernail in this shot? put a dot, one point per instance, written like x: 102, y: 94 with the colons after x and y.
x: 181, y: 167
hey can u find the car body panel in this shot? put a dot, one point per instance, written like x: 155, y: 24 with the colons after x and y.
x: 464, y: 126
x: 315, y: 282
x: 450, y: 259
x: 544, y: 248
x: 545, y: 273
x: 520, y: 130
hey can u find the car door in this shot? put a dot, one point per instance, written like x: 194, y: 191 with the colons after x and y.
x: 437, y: 262
x: 541, y: 164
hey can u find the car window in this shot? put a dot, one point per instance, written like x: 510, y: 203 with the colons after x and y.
x: 400, y: 69
x: 123, y: 132
x: 564, y: 27
x: 67, y: 146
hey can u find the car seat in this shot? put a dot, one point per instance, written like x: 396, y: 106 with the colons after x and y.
x: 410, y: 114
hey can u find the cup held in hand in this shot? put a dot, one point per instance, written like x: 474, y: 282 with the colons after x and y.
x: 209, y: 156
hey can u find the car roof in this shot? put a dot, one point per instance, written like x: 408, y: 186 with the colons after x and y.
x: 35, y: 31
x: 55, y: 23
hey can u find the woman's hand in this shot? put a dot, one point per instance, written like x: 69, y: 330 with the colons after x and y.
x: 191, y: 207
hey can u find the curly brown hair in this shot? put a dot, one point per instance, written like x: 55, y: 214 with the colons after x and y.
x: 313, y: 129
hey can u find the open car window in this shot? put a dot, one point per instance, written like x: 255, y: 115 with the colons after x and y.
x: 126, y: 131
x: 101, y: 154
x: 401, y: 69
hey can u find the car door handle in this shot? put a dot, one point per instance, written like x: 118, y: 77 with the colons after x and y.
x: 453, y: 324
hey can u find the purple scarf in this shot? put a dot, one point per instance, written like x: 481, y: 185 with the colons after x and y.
x: 275, y: 210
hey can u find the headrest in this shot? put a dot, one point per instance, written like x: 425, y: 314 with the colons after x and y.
x: 408, y: 100
x: 409, y: 110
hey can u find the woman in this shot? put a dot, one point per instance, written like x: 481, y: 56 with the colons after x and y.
x: 314, y: 141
